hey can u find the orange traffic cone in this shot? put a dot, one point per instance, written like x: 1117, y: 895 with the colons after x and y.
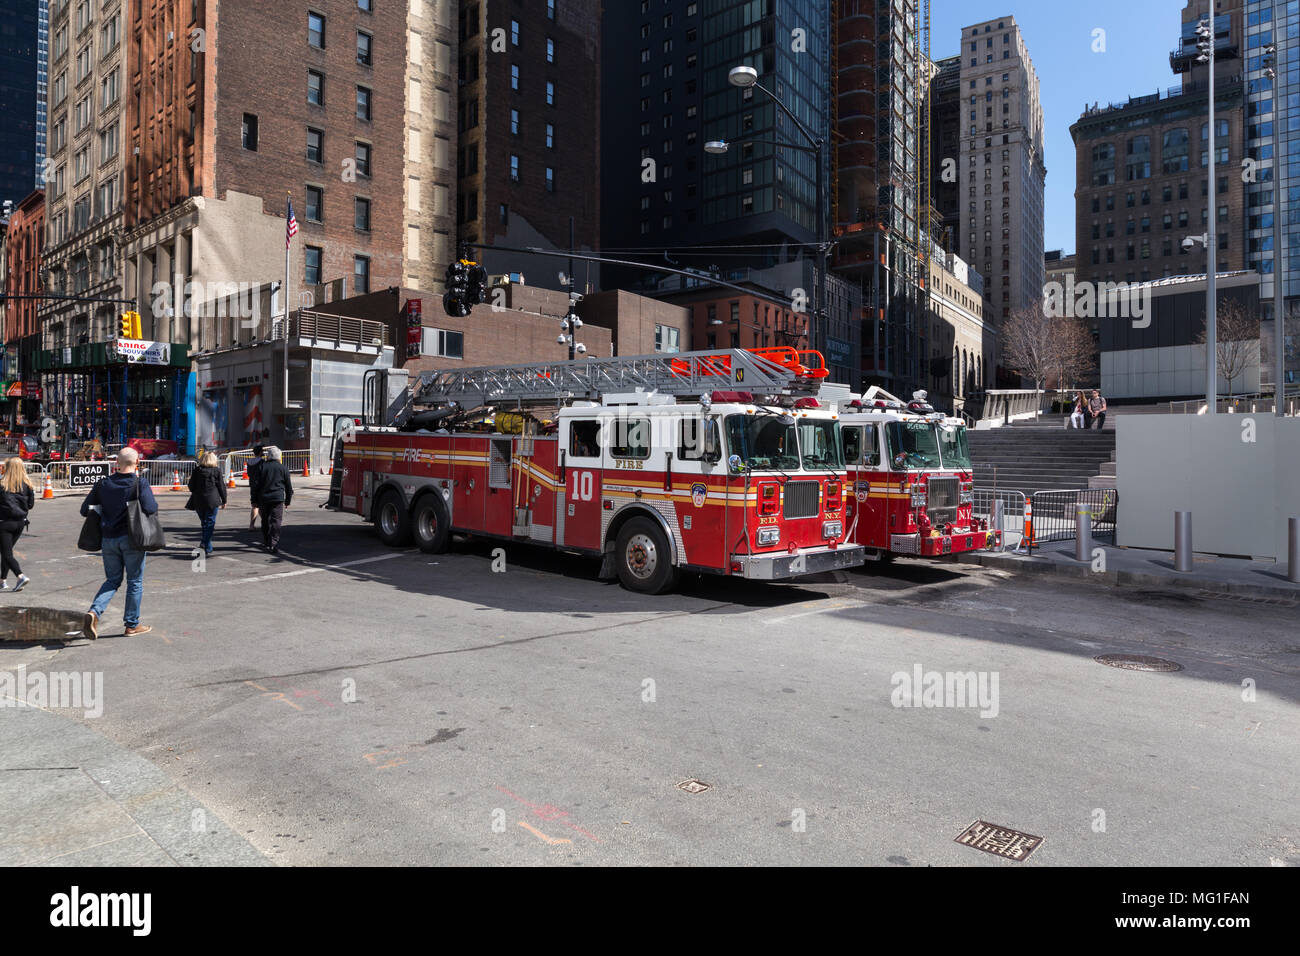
x: 176, y: 480
x: 230, y: 483
x: 49, y: 488
x: 306, y: 468
x: 245, y: 476
x: 1028, y: 534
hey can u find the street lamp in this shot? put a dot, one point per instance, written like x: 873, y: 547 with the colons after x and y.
x: 746, y: 77
x: 1205, y: 30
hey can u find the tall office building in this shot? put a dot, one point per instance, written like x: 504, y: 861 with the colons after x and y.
x: 1002, y: 170
x: 19, y: 68
x: 529, y: 136
x: 945, y: 150
x: 42, y: 83
x: 1273, y: 141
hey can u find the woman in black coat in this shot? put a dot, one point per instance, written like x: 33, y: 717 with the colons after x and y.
x: 207, y: 496
x: 17, y: 497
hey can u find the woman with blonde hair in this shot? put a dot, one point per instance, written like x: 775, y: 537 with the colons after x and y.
x: 17, y: 498
x: 207, y: 496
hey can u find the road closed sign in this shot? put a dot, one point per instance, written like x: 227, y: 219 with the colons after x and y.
x: 83, y: 474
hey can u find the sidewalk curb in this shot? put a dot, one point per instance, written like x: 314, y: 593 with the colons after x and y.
x: 1029, y: 565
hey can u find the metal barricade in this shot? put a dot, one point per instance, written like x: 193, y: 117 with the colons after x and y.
x: 984, y: 505
x: 1054, y: 513
x: 235, y: 462
x: 166, y: 472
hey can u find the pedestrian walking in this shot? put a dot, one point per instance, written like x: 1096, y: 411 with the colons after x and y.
x: 110, y: 497
x: 253, y: 465
x: 272, y: 493
x: 207, y: 497
x: 17, y: 498
x: 1097, y: 406
x: 1076, y: 416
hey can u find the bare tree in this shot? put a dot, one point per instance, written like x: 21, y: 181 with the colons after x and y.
x: 1236, y: 339
x: 1039, y: 346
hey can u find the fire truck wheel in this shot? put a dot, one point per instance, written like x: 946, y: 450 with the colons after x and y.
x: 391, y: 519
x: 644, y: 558
x: 429, y: 524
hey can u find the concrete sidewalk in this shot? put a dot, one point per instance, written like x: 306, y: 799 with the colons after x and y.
x: 71, y: 797
x: 1134, y: 567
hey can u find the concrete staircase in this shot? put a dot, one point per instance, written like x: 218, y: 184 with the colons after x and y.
x: 1043, y: 456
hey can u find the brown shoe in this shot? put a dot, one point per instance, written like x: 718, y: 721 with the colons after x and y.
x: 90, y: 626
x: 138, y: 629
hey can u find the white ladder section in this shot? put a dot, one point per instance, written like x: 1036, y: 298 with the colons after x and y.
x: 553, y: 383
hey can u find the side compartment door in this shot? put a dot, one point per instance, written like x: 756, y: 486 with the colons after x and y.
x: 577, y: 518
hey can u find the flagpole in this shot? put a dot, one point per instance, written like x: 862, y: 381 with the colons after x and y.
x: 288, y: 240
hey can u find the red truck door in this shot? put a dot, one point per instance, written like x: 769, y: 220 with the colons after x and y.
x: 577, y: 519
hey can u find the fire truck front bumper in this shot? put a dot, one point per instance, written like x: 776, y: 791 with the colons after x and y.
x: 774, y: 567
x: 956, y: 543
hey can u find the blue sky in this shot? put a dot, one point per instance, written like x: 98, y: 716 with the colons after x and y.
x: 1059, y: 35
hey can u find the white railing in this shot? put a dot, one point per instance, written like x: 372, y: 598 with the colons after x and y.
x: 294, y: 459
x: 161, y: 473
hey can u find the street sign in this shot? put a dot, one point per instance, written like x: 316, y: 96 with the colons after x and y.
x: 83, y: 474
x: 143, y: 352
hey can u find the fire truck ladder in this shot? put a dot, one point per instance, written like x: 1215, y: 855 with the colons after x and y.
x: 767, y: 371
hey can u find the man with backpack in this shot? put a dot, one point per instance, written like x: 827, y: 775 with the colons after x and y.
x: 110, y: 497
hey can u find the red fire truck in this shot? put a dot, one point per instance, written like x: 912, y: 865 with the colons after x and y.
x: 717, y: 462
x: 911, y: 479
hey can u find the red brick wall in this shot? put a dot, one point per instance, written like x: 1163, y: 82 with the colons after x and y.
x: 24, y: 241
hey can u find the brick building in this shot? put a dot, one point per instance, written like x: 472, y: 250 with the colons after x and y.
x: 529, y: 132
x: 24, y: 240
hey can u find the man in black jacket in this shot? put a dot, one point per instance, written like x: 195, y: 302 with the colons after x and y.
x: 272, y: 491
x: 111, y: 495
x: 253, y: 465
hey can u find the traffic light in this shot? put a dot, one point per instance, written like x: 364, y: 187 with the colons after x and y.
x: 478, y: 284
x: 456, y: 301
x: 136, y: 331
x: 124, y: 326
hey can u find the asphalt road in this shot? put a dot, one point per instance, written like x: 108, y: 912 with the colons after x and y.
x: 347, y: 703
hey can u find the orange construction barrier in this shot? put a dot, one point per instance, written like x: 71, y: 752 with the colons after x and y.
x: 176, y: 480
x: 49, y: 488
x: 1028, y: 535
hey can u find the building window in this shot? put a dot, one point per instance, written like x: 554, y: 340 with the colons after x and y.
x: 550, y: 136
x: 249, y: 134
x: 316, y: 30
x: 361, y: 274
x: 550, y: 93
x: 315, y: 206
x: 315, y: 88
x: 514, y: 76
x: 315, y: 146
x: 311, y: 256
x: 550, y: 50
x: 514, y: 169
x: 363, y: 103
x: 361, y: 214
x: 550, y: 179
x: 514, y: 32
x: 364, y: 42
x: 550, y: 9
x: 514, y: 122
x: 366, y: 6
x: 444, y: 343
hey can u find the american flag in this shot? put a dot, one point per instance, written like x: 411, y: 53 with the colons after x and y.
x: 291, y: 227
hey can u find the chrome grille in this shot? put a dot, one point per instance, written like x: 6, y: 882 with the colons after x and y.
x: 943, y: 495
x: 801, y: 499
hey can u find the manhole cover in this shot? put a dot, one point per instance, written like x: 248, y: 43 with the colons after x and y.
x: 1137, y: 662
x: 1000, y: 841
x: 693, y: 786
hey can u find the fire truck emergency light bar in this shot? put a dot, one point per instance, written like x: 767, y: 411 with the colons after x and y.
x: 765, y: 371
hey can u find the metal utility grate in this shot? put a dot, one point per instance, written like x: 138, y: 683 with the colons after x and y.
x: 801, y: 499
x: 941, y: 498
x: 693, y: 786
x: 1000, y: 841
x: 1137, y: 662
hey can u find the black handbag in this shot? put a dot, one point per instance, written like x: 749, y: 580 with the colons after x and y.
x: 146, y: 531
x: 92, y: 533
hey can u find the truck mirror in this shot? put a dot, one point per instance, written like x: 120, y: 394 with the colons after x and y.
x: 735, y: 465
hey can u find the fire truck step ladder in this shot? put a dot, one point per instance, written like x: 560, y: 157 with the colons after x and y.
x: 769, y: 371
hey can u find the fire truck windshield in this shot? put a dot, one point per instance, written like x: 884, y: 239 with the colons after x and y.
x: 819, y: 441
x: 953, y: 447
x: 912, y: 444
x: 763, y: 442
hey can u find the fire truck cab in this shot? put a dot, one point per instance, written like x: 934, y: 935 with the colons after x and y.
x: 910, y: 476
x: 650, y: 469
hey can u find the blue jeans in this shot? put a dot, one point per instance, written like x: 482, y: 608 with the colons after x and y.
x: 208, y: 524
x: 121, y: 556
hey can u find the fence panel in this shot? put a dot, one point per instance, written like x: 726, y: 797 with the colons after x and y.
x: 235, y: 462
x: 1013, y: 514
x: 1054, y: 512
x: 160, y: 473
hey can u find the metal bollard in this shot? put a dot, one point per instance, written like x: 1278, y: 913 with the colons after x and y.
x: 999, y: 525
x: 1082, y: 533
x: 1293, y: 550
x: 1182, y: 541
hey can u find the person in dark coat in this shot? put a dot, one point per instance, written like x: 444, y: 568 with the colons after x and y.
x: 272, y: 493
x: 207, y: 497
x: 110, y: 497
x: 17, y: 498
x: 253, y: 465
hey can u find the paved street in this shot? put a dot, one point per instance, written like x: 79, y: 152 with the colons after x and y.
x: 347, y: 703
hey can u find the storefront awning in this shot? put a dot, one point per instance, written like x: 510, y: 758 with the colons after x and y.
x: 93, y: 355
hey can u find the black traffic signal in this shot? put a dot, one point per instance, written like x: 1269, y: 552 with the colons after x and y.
x: 478, y: 284
x: 456, y: 301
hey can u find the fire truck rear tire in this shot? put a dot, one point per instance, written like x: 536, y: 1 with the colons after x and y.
x: 429, y: 524
x: 392, y: 520
x: 643, y: 557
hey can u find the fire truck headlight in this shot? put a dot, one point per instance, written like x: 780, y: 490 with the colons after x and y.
x: 918, y: 499
x: 967, y: 497
x: 768, y: 537
x: 832, y: 529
